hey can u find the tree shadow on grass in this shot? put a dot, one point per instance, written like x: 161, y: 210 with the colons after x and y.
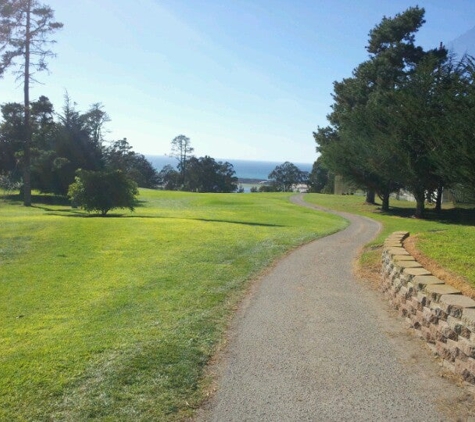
x: 50, y: 199
x: 211, y: 220
x: 76, y: 213
x: 457, y: 215
x: 45, y: 199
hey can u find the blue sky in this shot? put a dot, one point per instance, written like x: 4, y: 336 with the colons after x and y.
x: 242, y: 79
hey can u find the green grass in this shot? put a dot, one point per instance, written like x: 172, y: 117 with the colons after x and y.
x: 448, y: 238
x: 114, y: 318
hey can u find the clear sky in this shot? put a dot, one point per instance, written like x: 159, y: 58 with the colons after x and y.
x: 243, y: 79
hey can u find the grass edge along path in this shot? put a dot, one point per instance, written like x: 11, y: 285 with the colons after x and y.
x: 115, y: 318
x: 443, y: 243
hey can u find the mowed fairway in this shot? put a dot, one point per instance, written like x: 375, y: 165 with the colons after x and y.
x: 114, y: 318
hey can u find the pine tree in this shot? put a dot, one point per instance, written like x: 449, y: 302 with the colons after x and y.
x: 25, y: 27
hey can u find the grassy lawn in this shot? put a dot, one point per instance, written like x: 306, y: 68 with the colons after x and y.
x: 114, y: 318
x: 448, y: 239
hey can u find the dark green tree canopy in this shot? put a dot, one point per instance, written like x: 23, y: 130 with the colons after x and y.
x: 385, y: 116
x: 120, y: 156
x: 204, y: 174
x: 63, y: 143
x: 320, y: 179
x: 11, y: 137
x: 102, y: 191
x: 169, y: 178
x: 286, y: 175
x: 393, y: 32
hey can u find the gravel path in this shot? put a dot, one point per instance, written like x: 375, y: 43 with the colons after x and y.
x: 311, y: 343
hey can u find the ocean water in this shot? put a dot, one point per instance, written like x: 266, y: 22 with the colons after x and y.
x: 245, y: 169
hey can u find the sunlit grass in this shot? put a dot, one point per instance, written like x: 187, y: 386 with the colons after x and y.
x: 448, y: 238
x: 114, y: 318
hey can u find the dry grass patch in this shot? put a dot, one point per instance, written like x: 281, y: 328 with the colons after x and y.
x: 369, y: 267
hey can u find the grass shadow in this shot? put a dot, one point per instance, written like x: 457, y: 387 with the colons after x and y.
x: 75, y: 213
x: 45, y: 199
x: 245, y: 223
x: 458, y: 215
x: 50, y: 199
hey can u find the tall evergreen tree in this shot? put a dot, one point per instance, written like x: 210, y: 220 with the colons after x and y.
x: 378, y: 148
x: 75, y: 145
x: 182, y: 150
x: 25, y: 27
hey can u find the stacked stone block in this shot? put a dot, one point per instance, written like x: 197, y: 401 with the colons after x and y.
x: 438, y: 312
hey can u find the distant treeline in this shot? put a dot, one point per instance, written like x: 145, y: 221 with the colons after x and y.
x: 205, y: 174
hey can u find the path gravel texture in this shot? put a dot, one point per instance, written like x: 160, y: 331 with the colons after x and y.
x: 312, y: 343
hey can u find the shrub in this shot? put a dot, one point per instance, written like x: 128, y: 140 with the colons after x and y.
x: 103, y: 191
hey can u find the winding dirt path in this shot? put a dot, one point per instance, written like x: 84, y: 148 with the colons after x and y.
x: 312, y: 343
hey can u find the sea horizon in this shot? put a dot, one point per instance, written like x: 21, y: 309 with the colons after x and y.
x: 245, y: 169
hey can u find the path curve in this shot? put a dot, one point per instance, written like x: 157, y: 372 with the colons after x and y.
x: 311, y: 343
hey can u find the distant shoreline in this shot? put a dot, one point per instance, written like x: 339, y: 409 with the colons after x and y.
x: 250, y: 181
x: 247, y: 171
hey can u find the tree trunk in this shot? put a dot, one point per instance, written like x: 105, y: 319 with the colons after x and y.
x: 438, y: 201
x: 420, y: 202
x: 27, y: 128
x: 385, y: 199
x: 183, y: 169
x: 370, y: 196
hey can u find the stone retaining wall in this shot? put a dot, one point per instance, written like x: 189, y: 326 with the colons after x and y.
x: 438, y: 312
